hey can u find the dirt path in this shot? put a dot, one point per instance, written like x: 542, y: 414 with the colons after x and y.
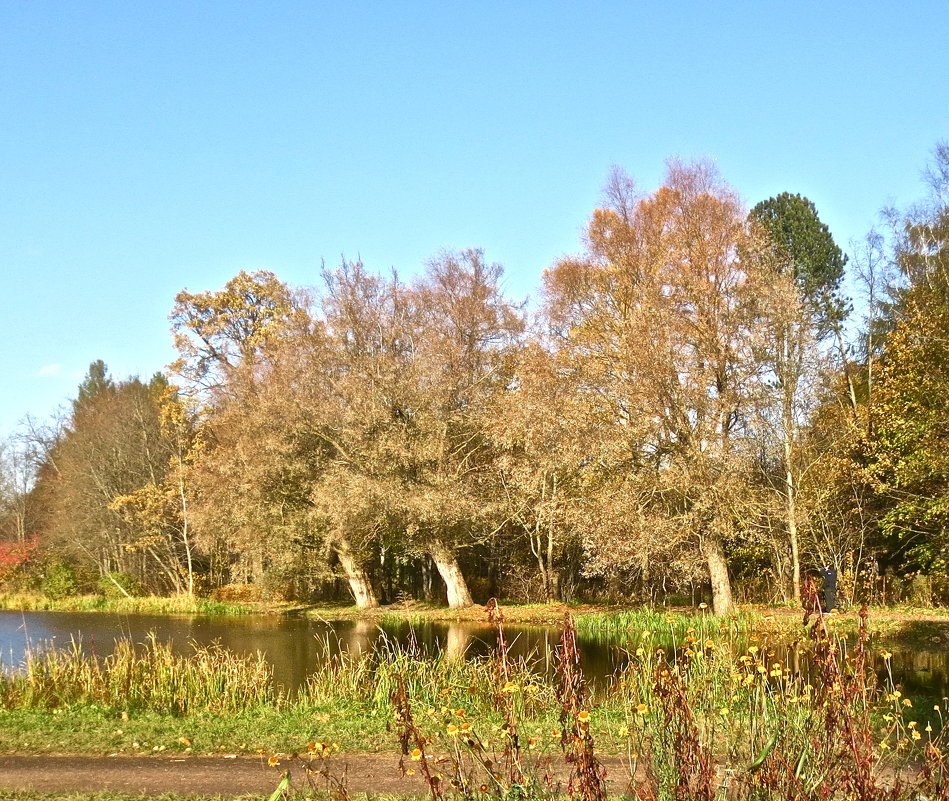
x: 198, y: 775
x: 365, y: 773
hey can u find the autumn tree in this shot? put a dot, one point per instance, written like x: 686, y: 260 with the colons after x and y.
x: 215, y: 333
x: 658, y: 326
x: 112, y: 446
x: 542, y: 436
x: 16, y: 475
x: 158, y: 510
x: 466, y: 334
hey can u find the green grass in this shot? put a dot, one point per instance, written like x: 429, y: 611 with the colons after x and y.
x: 95, y: 730
x: 178, y: 605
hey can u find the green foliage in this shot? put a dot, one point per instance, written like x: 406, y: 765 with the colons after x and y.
x: 59, y: 581
x: 807, y: 248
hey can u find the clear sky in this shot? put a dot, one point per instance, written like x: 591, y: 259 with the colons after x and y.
x: 150, y: 147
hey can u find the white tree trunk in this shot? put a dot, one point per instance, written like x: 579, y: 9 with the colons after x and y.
x: 447, y: 563
x: 718, y: 572
x: 359, y: 584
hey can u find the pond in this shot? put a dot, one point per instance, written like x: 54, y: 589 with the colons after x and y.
x: 296, y: 645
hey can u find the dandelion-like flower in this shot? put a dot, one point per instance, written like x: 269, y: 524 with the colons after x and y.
x: 641, y: 709
x: 583, y: 716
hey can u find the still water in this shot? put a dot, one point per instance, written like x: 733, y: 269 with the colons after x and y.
x: 295, y: 646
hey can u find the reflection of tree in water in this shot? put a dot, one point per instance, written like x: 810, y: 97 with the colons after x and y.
x: 919, y: 671
x: 359, y: 639
x: 457, y: 640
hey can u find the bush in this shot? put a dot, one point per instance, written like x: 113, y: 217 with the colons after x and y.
x: 59, y: 581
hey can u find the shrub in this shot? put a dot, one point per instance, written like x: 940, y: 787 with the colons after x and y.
x: 59, y: 581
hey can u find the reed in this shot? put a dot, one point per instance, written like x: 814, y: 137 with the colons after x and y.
x: 149, y: 677
x: 157, y: 605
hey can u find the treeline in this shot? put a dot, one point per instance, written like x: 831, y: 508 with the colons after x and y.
x: 689, y: 408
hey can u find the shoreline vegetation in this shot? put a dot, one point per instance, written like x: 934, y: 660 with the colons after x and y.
x: 910, y: 625
x: 703, y: 702
x: 699, y: 701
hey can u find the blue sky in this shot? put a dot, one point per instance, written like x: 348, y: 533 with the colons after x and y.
x: 151, y: 147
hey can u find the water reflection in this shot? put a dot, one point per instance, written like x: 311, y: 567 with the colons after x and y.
x: 296, y: 646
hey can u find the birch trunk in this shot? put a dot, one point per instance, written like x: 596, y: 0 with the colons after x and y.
x: 718, y: 572
x: 447, y: 563
x: 359, y: 584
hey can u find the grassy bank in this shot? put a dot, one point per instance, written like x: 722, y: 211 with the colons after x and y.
x: 910, y: 626
x: 149, y: 605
